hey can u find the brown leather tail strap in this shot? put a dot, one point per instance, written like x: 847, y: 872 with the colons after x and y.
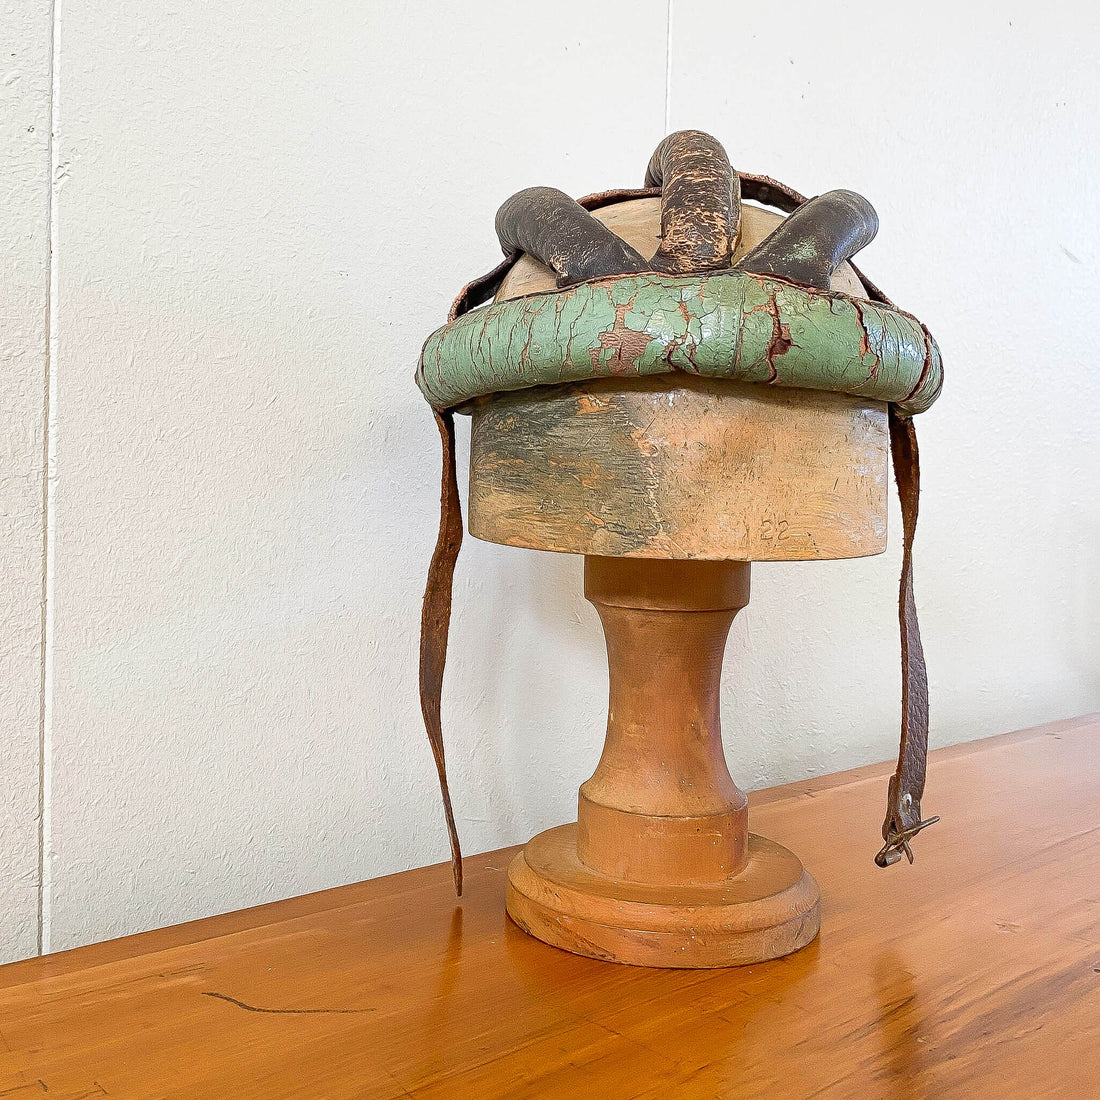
x: 436, y: 620
x: 903, y: 813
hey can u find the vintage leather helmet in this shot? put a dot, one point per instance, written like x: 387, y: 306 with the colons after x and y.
x: 679, y: 276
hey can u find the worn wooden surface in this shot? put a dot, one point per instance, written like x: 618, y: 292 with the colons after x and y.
x: 665, y: 625
x: 681, y: 467
x: 660, y: 869
x: 974, y: 973
x: 771, y: 907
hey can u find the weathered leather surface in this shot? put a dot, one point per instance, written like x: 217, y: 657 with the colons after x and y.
x: 815, y: 240
x: 903, y: 811
x: 548, y: 224
x: 756, y: 188
x: 835, y: 227
x: 700, y: 204
x: 435, y: 622
x: 728, y: 324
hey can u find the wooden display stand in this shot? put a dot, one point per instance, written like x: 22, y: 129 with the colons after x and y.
x: 660, y: 868
x: 670, y: 486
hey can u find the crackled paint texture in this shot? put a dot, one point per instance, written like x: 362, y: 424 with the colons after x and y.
x: 746, y: 328
x: 263, y: 210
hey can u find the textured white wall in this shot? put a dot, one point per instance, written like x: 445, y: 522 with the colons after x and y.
x: 973, y: 131
x: 25, y: 45
x: 263, y: 210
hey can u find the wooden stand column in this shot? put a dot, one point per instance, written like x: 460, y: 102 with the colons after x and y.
x: 660, y: 868
x: 662, y: 807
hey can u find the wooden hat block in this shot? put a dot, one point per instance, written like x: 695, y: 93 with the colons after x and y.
x: 670, y: 486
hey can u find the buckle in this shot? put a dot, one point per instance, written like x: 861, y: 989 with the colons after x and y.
x: 898, y: 842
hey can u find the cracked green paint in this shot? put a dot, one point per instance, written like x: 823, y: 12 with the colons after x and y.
x: 732, y: 325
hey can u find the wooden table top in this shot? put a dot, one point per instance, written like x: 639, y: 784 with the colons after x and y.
x: 974, y: 973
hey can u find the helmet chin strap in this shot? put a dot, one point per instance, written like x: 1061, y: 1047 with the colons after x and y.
x: 903, y: 813
x: 435, y: 622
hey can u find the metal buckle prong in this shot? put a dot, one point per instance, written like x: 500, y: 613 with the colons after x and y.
x: 899, y: 842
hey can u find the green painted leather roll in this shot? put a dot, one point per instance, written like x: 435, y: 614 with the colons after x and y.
x: 731, y: 324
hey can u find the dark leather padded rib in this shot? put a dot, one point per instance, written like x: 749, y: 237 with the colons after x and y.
x: 815, y: 240
x: 552, y: 227
x: 700, y: 204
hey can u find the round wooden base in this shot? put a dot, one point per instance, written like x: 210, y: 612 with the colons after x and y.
x: 771, y: 908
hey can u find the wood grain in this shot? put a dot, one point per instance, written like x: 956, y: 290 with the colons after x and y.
x: 660, y: 869
x: 771, y: 907
x: 680, y: 467
x: 974, y: 973
x: 661, y: 806
x: 677, y: 466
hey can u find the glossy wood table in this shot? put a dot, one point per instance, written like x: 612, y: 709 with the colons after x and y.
x: 974, y: 973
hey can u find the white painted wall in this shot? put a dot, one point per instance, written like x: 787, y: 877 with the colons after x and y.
x: 25, y: 47
x: 260, y: 213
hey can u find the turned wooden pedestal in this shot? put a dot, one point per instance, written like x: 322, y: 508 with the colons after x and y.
x: 660, y: 868
x: 670, y: 486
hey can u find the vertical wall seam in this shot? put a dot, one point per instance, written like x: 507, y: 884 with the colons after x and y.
x: 41, y: 899
x: 668, y: 67
x: 49, y: 477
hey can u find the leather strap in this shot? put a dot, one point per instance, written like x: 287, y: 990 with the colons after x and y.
x: 903, y: 813
x: 435, y: 622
